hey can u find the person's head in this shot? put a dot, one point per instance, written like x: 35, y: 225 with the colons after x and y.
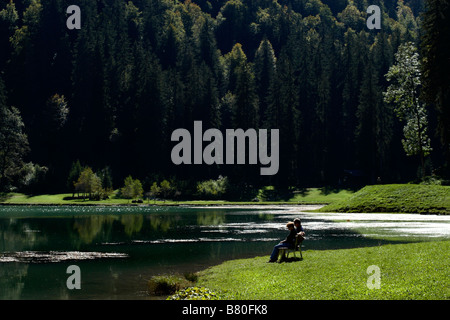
x: 297, y: 222
x: 290, y: 225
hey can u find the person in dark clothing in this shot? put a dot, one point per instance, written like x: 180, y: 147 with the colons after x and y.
x: 287, y: 243
x: 300, y: 231
x: 299, y: 228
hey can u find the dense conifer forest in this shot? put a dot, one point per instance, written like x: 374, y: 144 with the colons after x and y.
x: 110, y: 94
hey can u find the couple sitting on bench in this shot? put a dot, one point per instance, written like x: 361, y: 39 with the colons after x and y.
x: 292, y: 241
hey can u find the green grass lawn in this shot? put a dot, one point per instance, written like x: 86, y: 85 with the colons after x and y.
x: 321, y: 195
x: 306, y: 196
x: 54, y: 199
x: 408, y: 271
x: 402, y: 198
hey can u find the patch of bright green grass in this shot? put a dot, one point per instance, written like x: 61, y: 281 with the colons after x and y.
x: 21, y: 198
x: 416, y: 271
x: 321, y: 195
x: 55, y: 199
x: 402, y: 198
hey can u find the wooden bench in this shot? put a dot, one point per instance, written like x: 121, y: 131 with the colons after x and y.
x: 284, y: 252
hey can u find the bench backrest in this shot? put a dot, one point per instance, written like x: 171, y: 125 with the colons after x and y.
x: 298, y: 241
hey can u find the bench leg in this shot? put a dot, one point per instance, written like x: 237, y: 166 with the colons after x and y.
x: 282, y: 253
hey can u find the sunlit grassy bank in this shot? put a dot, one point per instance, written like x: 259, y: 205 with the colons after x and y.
x: 407, y: 271
x: 402, y: 198
x: 266, y: 195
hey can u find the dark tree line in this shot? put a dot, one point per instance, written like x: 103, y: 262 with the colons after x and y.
x: 111, y: 93
x: 436, y: 49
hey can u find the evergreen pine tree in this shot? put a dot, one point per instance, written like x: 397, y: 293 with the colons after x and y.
x: 436, y: 67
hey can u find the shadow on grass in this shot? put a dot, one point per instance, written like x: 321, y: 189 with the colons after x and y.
x: 290, y: 260
x: 282, y: 194
x: 75, y: 198
x: 5, y: 196
x: 334, y: 189
x: 328, y: 190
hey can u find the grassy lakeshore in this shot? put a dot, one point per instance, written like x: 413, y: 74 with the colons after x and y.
x: 306, y: 196
x: 396, y: 198
x: 408, y: 271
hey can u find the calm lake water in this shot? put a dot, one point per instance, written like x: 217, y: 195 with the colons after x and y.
x: 119, y: 248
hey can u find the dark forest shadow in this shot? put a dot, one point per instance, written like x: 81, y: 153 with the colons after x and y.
x: 5, y: 196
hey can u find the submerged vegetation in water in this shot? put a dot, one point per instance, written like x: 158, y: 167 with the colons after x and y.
x: 169, y: 284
